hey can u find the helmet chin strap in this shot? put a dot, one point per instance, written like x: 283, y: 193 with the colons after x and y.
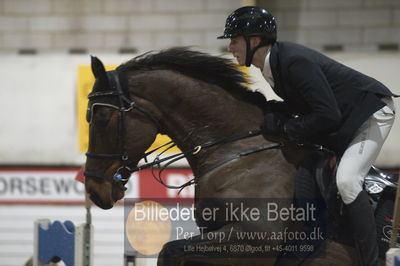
x: 250, y: 52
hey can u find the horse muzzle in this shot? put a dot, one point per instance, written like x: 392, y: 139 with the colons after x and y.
x: 94, y: 197
x: 102, y: 193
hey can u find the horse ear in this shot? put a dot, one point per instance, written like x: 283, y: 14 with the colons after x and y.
x: 97, y: 67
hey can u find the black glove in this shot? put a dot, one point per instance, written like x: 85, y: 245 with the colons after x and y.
x: 291, y: 130
x: 273, y: 124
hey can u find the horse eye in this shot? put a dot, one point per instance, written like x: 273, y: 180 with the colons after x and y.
x: 102, y: 116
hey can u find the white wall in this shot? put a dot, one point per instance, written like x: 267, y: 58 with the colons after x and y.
x: 38, y: 105
x: 38, y: 117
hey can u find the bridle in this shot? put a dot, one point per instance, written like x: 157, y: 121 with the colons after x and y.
x: 125, y: 105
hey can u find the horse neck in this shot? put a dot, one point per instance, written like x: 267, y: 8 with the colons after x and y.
x: 195, y: 112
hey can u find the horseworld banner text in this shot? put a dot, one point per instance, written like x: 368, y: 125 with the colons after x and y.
x: 59, y: 185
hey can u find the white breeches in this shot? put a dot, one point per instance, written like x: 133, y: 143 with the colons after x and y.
x: 363, y: 151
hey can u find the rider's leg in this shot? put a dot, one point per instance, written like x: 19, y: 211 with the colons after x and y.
x: 353, y: 167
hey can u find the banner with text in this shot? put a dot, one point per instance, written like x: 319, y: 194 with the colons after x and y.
x: 58, y: 185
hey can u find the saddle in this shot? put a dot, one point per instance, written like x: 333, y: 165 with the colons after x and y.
x: 325, y: 173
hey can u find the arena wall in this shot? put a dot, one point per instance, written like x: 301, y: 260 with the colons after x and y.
x: 39, y: 101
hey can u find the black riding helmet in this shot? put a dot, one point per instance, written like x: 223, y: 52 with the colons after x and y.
x: 249, y: 21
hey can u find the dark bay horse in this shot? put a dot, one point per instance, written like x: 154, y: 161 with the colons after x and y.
x: 195, y: 99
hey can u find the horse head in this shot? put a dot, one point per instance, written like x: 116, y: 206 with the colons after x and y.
x: 112, y: 114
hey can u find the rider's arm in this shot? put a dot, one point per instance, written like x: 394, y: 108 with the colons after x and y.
x: 308, y: 79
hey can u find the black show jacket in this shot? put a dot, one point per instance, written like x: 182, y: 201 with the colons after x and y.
x: 331, y: 99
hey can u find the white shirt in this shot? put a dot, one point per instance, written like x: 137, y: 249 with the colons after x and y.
x: 266, y: 72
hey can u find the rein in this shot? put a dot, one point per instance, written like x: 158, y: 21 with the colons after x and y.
x: 176, y: 157
x: 126, y: 105
x: 194, y: 150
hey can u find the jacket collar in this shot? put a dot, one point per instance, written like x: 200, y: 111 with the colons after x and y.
x: 266, y: 72
x: 274, y: 63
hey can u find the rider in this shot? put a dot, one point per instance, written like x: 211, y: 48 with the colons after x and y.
x: 324, y: 102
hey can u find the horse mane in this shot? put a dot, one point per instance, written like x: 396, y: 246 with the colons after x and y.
x: 212, y: 69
